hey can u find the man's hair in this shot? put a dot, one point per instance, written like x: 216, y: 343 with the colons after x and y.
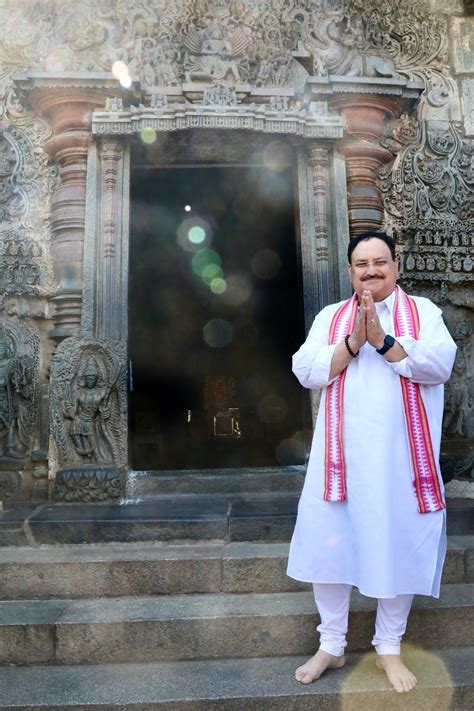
x: 364, y: 236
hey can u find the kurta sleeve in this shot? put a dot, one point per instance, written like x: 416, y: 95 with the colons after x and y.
x: 312, y: 363
x: 431, y: 357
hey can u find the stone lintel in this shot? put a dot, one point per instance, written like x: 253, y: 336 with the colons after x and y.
x: 323, y: 87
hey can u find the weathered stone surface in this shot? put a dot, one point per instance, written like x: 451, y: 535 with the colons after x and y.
x: 217, y: 481
x: 156, y: 569
x: 183, y: 627
x: 444, y: 682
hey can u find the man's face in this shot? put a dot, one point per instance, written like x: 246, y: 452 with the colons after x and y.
x: 372, y: 267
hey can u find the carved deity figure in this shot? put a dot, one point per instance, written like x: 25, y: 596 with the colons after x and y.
x: 459, y: 400
x: 88, y: 410
x: 14, y: 393
x: 213, y: 51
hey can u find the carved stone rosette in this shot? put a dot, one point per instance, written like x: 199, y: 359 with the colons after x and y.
x: 88, y: 418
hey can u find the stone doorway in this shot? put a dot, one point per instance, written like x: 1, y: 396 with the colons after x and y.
x: 215, y: 312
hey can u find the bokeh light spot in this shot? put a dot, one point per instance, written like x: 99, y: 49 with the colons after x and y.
x: 211, y: 272
x: 266, y: 264
x: 120, y: 72
x: 293, y: 450
x: 205, y: 258
x: 238, y: 290
x: 197, y: 234
x: 148, y: 135
x: 194, y: 234
x: 277, y: 155
x: 217, y: 333
x: 187, y: 208
x: 218, y: 285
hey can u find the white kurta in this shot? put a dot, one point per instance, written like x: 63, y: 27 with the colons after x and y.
x: 376, y: 539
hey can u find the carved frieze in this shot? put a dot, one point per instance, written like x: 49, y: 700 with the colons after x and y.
x: 433, y: 174
x: 88, y: 404
x: 436, y: 251
x: 19, y: 368
x: 26, y: 184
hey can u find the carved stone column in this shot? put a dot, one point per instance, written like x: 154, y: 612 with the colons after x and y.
x: 365, y: 104
x: 319, y: 162
x: 365, y: 116
x: 68, y: 104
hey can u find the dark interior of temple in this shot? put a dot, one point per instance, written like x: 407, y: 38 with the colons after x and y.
x: 215, y: 313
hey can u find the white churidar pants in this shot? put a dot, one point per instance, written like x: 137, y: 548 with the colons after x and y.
x: 332, y: 601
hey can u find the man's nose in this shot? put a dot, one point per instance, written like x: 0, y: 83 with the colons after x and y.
x: 371, y: 268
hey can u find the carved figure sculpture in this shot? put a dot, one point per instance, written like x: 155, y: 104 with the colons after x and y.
x: 15, y: 393
x: 88, y: 409
x: 88, y: 404
x: 213, y: 50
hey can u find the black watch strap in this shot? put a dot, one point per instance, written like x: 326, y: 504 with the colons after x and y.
x: 388, y: 342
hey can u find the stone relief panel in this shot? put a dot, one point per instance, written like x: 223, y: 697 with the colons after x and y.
x: 88, y: 418
x: 433, y: 173
x: 27, y: 181
x: 19, y: 390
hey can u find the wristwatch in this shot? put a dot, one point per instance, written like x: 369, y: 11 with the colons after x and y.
x: 388, y: 342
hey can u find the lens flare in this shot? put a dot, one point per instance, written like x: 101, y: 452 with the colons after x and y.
x: 293, y: 450
x: 121, y: 73
x: 204, y: 258
x: 148, y: 135
x: 277, y: 155
x: 217, y: 333
x: 211, y: 272
x: 218, y: 285
x: 197, y: 234
x: 238, y: 290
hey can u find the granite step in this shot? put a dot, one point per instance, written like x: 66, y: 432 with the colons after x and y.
x: 114, y: 570
x: 445, y: 683
x: 212, y: 626
x: 237, y: 516
x: 216, y: 481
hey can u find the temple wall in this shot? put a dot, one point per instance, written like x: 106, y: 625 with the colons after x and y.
x: 375, y: 96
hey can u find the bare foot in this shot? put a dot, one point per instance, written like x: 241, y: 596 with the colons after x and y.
x: 398, y: 674
x: 314, y: 667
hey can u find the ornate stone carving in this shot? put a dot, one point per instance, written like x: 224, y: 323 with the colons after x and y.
x: 89, y: 485
x: 88, y: 404
x: 433, y: 175
x: 219, y: 95
x: 435, y: 251
x: 10, y: 482
x: 19, y: 365
x: 459, y: 397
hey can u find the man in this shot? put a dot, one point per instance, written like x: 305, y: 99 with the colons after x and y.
x: 372, y: 511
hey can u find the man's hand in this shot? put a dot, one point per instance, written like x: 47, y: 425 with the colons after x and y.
x: 375, y: 332
x: 359, y: 335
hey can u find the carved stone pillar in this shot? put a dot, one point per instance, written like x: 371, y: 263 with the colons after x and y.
x: 364, y: 116
x: 365, y: 104
x: 68, y: 104
x: 319, y: 162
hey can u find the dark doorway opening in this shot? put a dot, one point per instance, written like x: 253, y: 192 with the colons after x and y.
x: 215, y: 313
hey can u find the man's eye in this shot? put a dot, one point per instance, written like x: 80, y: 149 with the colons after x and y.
x: 380, y: 262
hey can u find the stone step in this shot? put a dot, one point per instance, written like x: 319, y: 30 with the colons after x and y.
x: 445, y: 683
x: 216, y: 481
x: 184, y: 517
x: 238, y: 516
x: 213, y: 626
x: 154, y: 569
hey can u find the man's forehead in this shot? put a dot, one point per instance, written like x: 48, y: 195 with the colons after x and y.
x: 371, y: 248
